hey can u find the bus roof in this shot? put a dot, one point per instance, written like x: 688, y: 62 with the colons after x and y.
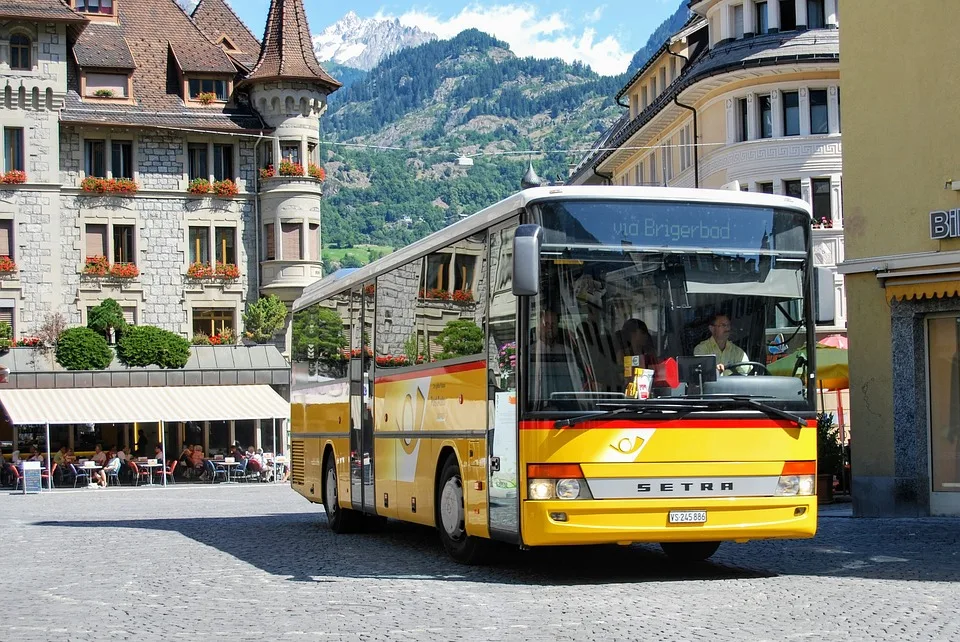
x: 511, y: 205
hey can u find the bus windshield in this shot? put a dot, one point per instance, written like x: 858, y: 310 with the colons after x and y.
x: 661, y: 302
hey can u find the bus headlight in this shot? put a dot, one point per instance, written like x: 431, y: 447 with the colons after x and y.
x: 541, y: 489
x: 568, y: 488
x: 793, y: 485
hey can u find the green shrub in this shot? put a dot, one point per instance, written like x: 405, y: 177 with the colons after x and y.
x: 460, y: 338
x: 145, y: 345
x: 83, y: 349
x: 265, y: 318
x: 829, y: 449
x: 107, y: 315
x: 318, y: 334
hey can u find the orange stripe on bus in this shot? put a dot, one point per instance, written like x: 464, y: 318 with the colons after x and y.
x: 663, y: 423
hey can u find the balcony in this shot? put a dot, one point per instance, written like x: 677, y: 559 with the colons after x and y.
x: 286, y: 279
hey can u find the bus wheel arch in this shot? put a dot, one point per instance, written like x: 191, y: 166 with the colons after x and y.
x: 339, y: 519
x: 450, y: 512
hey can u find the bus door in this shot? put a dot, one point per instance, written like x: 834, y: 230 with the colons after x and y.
x: 503, y: 468
x: 361, y: 398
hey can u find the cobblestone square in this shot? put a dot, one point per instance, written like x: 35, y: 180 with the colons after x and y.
x: 257, y: 562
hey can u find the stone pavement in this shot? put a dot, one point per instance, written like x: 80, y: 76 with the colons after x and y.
x: 256, y: 562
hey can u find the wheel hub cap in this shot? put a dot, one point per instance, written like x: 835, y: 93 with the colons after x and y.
x: 451, y: 508
x: 331, y: 494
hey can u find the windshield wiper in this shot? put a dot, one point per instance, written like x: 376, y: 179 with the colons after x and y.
x: 767, y: 409
x: 679, y: 410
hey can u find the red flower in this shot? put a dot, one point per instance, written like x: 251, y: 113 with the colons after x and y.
x: 227, y: 271
x: 315, y: 171
x: 225, y: 188
x: 288, y: 168
x: 96, y: 266
x: 124, y: 270
x: 14, y: 177
x: 7, y: 264
x: 267, y: 172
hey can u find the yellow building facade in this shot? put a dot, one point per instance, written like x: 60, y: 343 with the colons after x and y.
x: 902, y: 205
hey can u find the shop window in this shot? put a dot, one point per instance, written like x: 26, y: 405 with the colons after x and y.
x: 13, y: 149
x: 20, y: 47
x: 944, y: 373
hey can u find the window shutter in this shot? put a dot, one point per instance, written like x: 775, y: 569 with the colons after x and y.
x: 270, y: 243
x: 6, y: 316
x: 314, y: 240
x: 290, y: 251
x: 130, y: 315
x: 96, y: 239
x: 6, y: 238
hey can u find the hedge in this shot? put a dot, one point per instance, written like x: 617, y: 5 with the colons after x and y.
x: 83, y: 349
x: 145, y: 345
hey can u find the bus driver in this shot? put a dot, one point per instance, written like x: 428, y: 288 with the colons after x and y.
x: 719, y: 345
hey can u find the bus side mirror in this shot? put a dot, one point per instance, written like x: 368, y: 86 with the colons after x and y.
x: 526, y: 260
x: 825, y: 302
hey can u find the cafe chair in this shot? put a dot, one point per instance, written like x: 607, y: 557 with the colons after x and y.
x: 45, y: 479
x: 168, y: 471
x: 16, y: 476
x: 78, y: 475
x: 214, y: 471
x: 239, y: 473
x: 113, y: 476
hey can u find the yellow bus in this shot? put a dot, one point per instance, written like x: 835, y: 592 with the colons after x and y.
x: 573, y: 365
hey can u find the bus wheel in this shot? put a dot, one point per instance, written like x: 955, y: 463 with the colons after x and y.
x: 339, y: 519
x: 689, y: 551
x: 464, y: 548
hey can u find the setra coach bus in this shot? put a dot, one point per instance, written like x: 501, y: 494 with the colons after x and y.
x: 573, y: 365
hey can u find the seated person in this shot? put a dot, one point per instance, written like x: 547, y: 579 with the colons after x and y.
x: 719, y: 345
x: 196, y: 460
x: 99, y: 457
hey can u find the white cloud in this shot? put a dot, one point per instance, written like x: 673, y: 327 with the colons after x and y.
x: 596, y: 14
x: 530, y: 34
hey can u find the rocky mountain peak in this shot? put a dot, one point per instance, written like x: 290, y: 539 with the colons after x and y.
x: 363, y: 42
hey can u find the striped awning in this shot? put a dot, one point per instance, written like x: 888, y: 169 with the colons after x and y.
x: 130, y: 405
x: 923, y: 290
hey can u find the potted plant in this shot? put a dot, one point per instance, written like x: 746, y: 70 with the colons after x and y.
x: 315, y: 171
x: 103, y: 93
x: 96, y: 266
x: 206, y: 97
x: 199, y: 186
x: 124, y: 271
x: 14, y: 177
x: 225, y: 188
x: 199, y: 270
x: 7, y: 265
x: 829, y: 456
x: 288, y: 168
x: 227, y: 271
x: 267, y: 172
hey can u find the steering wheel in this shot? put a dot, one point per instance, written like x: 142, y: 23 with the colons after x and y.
x: 757, y: 367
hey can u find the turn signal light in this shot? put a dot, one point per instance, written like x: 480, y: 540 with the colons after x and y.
x: 554, y: 471
x: 799, y: 468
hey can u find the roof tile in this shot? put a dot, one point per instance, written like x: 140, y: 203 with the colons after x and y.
x: 102, y: 45
x: 53, y: 10
x: 287, y: 50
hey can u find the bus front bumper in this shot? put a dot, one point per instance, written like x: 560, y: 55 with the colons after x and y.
x: 623, y: 521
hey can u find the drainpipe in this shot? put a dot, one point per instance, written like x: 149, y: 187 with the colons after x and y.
x: 696, y: 130
x: 606, y: 177
x: 256, y: 205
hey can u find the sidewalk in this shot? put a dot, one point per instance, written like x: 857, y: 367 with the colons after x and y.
x: 842, y: 506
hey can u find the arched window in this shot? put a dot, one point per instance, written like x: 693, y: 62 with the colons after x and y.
x: 20, y: 52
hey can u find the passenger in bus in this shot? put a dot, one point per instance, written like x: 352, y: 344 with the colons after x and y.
x: 719, y: 344
x: 636, y: 342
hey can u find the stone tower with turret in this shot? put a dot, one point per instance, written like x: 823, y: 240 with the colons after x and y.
x: 289, y: 89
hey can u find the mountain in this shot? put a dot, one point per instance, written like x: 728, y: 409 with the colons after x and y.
x: 363, y: 42
x: 667, y: 28
x: 411, y: 116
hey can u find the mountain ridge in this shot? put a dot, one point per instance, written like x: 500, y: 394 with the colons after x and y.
x: 361, y: 43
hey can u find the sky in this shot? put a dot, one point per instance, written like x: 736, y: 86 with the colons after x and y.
x: 604, y: 35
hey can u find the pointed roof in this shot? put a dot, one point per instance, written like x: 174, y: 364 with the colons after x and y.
x: 220, y: 23
x: 287, y: 50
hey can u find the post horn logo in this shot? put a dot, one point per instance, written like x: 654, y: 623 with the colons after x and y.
x: 626, y: 446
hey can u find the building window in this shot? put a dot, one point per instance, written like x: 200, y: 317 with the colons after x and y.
x: 742, y: 129
x: 683, y: 149
x: 95, y: 159
x: 765, y: 109
x: 839, y: 111
x: 95, y: 239
x: 226, y: 248
x: 291, y: 243
x: 212, y: 321
x: 7, y: 316
x: 943, y: 335
x: 763, y: 22
x: 13, y: 149
x: 6, y: 238
x: 313, y: 238
x: 199, y: 244
x: 668, y: 161
x: 643, y: 97
x: 819, y: 121
x: 122, y: 159
x: 290, y: 152
x: 816, y: 17
x: 792, y: 189
x: 738, y: 21
x: 123, y: 250
x: 791, y: 113
x: 199, y: 86
x: 197, y: 161
x: 653, y: 168
x: 105, y: 85
x: 269, y: 242
x: 95, y: 6
x: 130, y: 314
x: 821, y: 200
x: 663, y: 78
x: 788, y: 15
x: 222, y: 162
x: 765, y: 188
x: 20, y: 46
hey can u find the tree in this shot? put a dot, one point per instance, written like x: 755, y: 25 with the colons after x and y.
x: 318, y: 334
x: 265, y: 318
x: 350, y: 261
x: 146, y: 345
x: 83, y: 349
x: 107, y: 315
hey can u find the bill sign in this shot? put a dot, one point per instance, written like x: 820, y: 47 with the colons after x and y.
x: 945, y: 224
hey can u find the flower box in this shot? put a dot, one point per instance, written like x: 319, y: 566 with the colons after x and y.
x: 206, y: 97
x: 28, y: 342
x: 218, y: 271
x: 291, y: 169
x: 267, y: 172
x: 315, y: 171
x: 14, y: 177
x: 124, y: 270
x: 227, y: 271
x: 96, y: 266
x: 225, y: 188
x: 199, y: 186
x: 117, y: 186
x: 7, y: 265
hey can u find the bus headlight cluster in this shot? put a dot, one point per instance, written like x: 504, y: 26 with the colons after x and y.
x: 557, y: 489
x: 793, y: 485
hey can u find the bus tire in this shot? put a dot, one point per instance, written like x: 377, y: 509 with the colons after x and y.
x: 339, y: 519
x: 689, y: 551
x: 450, y: 517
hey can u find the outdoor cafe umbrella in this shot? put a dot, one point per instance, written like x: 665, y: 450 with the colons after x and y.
x: 833, y: 373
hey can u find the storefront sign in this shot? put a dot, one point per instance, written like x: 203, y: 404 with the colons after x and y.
x: 945, y: 224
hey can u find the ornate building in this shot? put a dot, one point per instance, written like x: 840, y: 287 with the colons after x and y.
x: 165, y: 160
x: 745, y: 96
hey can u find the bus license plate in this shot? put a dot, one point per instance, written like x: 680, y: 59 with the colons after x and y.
x: 688, y: 516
